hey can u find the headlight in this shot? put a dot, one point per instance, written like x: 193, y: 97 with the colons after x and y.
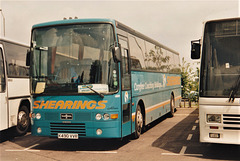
x: 98, y: 116
x: 106, y: 116
x: 214, y: 118
x: 38, y: 116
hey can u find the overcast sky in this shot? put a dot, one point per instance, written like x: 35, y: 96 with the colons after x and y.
x: 173, y: 23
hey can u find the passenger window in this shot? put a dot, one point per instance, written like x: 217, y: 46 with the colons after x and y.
x: 16, y: 60
x: 137, y: 51
x: 125, y: 70
x: 2, y: 73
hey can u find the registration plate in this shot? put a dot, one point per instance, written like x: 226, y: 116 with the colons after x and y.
x: 67, y: 136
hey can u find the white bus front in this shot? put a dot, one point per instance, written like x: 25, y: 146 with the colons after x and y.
x: 219, y: 102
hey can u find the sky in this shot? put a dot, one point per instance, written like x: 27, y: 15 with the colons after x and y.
x: 174, y: 23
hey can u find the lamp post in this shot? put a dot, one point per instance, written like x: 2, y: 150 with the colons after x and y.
x: 3, y: 22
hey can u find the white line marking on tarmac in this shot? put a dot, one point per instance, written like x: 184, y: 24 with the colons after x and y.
x: 26, y: 149
x: 182, y: 152
x: 31, y: 147
x: 197, y: 155
x: 170, y: 154
x: 184, y: 148
x: 189, y: 137
x: 194, y: 128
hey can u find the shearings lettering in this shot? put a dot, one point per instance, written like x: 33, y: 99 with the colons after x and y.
x: 69, y: 105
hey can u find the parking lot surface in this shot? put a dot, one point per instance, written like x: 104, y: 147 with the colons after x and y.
x: 166, y: 139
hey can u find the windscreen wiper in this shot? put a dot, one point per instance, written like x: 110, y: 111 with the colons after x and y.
x: 81, y: 81
x: 96, y: 92
x: 234, y: 91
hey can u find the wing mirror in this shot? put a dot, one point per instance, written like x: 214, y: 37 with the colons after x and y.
x: 116, y: 51
x: 195, y: 49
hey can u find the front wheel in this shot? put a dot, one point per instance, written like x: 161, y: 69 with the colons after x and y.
x: 138, y: 123
x: 23, y: 120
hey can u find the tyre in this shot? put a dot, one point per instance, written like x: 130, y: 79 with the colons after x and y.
x: 172, y: 106
x: 23, y: 121
x: 138, y: 122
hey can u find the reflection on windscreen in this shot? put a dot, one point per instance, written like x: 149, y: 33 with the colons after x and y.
x: 221, y: 59
x: 68, y: 57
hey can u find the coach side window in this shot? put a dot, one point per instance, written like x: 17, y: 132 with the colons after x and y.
x: 125, y: 70
x: 2, y: 73
x: 151, y: 58
x: 16, y: 60
x: 137, y: 51
x: 166, y: 57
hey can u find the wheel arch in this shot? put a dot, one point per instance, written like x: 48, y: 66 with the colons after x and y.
x: 25, y: 102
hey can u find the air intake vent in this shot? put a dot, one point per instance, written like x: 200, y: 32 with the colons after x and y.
x: 69, y: 128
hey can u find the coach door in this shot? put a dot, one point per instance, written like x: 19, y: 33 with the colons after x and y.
x: 126, y: 87
x: 3, y: 93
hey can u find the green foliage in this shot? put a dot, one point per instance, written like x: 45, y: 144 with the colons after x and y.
x: 189, y: 82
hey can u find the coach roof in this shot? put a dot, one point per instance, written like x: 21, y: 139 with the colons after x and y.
x: 102, y: 20
x: 73, y: 21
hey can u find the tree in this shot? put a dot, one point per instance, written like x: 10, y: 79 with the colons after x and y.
x: 186, y: 72
x: 190, y: 81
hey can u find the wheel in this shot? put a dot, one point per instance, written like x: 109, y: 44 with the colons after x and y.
x: 23, y: 120
x: 172, y: 107
x: 138, y: 122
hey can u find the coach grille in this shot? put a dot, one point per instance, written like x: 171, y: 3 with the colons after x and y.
x: 51, y: 116
x: 231, y: 121
x: 76, y: 128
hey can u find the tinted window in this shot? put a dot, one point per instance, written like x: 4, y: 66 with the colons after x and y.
x: 148, y: 56
x: 2, y: 73
x: 220, y: 60
x: 125, y: 70
x: 137, y: 49
x: 16, y: 60
x: 176, y: 65
x: 157, y: 58
x: 80, y: 54
x: 165, y: 57
x: 170, y: 65
x: 151, y: 57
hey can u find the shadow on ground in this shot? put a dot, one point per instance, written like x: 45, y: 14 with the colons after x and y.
x: 45, y: 143
x: 176, y: 138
